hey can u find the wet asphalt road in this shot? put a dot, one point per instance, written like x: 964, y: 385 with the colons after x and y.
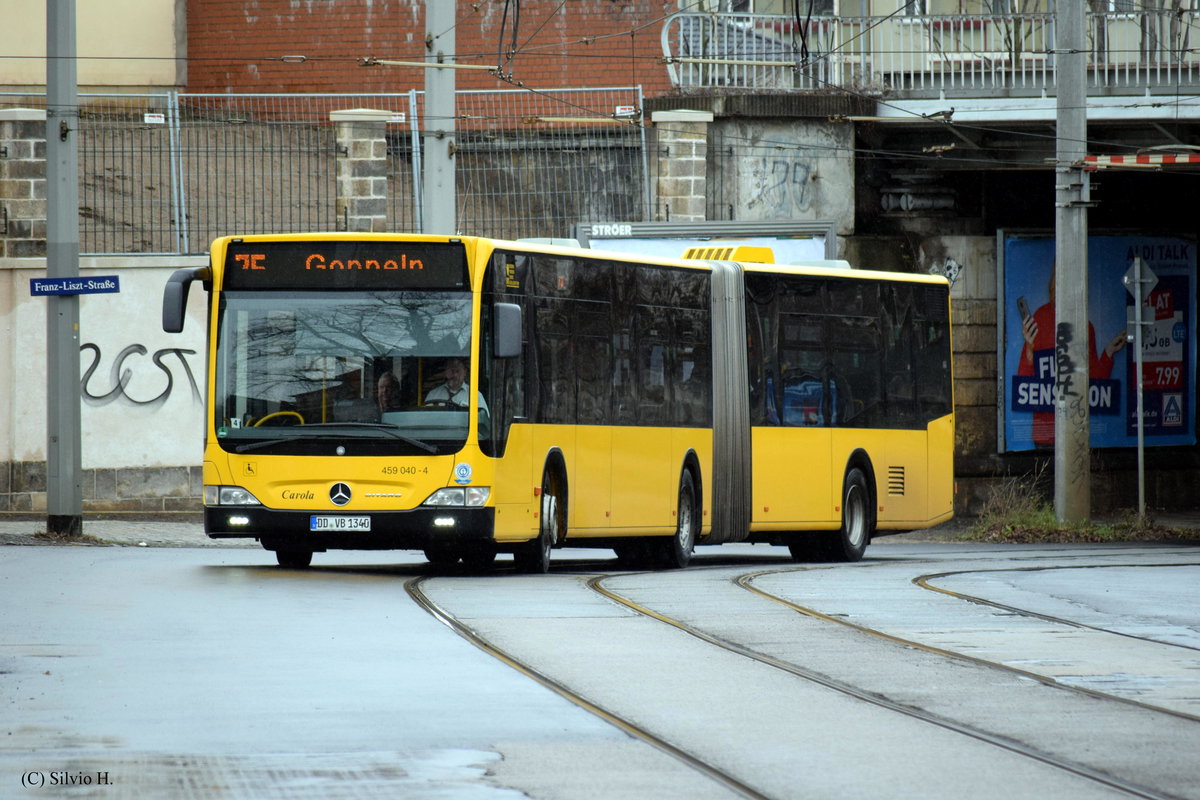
x: 207, y: 672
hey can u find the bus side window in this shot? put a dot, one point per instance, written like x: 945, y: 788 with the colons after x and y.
x: 896, y: 325
x: 760, y: 346
x: 551, y: 330
x: 591, y: 337
x: 691, y: 380
x: 932, y: 353
x: 652, y: 367
x: 624, y: 380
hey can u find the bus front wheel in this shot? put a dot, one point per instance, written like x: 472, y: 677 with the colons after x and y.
x: 294, y: 559
x: 479, y: 557
x: 534, y: 556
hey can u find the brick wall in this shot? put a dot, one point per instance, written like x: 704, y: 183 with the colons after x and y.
x: 234, y: 46
x: 22, y: 183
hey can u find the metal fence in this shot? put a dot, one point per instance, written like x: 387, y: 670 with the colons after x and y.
x: 167, y: 173
x: 966, y: 54
x: 533, y: 164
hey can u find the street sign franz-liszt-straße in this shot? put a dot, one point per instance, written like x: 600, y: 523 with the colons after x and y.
x: 96, y: 284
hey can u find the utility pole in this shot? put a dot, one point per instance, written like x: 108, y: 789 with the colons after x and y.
x: 1072, y: 428
x: 439, y: 197
x: 64, y: 492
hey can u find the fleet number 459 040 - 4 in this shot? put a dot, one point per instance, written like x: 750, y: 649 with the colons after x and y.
x: 393, y: 470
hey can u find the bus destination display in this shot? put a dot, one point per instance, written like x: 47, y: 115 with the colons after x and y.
x: 358, y: 264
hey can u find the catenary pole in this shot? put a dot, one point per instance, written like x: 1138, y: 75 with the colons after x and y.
x: 438, y: 195
x: 1072, y: 453
x: 64, y: 503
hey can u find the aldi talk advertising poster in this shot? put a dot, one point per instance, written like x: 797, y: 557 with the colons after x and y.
x: 1168, y: 347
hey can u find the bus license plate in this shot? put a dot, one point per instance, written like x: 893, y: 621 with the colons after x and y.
x: 316, y: 523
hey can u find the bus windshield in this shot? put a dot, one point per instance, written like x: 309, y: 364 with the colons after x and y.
x: 306, y: 373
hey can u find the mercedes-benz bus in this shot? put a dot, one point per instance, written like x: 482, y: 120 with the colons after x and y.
x: 465, y: 396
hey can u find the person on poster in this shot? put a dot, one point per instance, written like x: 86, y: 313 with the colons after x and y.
x: 1038, y: 353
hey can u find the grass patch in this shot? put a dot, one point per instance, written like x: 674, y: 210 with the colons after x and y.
x: 1018, y: 510
x: 59, y: 538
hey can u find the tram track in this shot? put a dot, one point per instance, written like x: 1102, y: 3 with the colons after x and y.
x: 945, y: 719
x: 1005, y: 743
x: 415, y: 591
x: 926, y: 582
x: 746, y: 582
x: 414, y: 587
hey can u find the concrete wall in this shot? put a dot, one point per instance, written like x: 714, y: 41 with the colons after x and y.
x: 970, y: 262
x: 141, y: 389
x: 800, y: 169
x: 122, y: 43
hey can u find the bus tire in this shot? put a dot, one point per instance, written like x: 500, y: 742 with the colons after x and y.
x: 850, y: 541
x: 534, y: 556
x: 631, y: 554
x: 479, y: 557
x: 807, y: 547
x: 441, y: 556
x: 294, y: 559
x: 676, y: 552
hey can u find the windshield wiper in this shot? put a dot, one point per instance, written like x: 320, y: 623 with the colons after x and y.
x: 390, y: 430
x: 246, y: 448
x: 382, y: 427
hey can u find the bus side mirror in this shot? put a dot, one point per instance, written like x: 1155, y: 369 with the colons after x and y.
x: 506, y: 330
x: 175, y: 296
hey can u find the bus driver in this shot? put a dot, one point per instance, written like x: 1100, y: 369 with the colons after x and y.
x: 454, y: 391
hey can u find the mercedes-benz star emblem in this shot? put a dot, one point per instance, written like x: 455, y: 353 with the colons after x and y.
x: 339, y: 493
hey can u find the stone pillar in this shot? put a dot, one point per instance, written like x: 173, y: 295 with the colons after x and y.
x: 362, y: 169
x: 22, y: 183
x: 682, y: 162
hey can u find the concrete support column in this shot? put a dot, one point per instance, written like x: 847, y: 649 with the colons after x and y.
x: 362, y: 169
x: 682, y: 162
x: 1072, y: 415
x: 22, y: 183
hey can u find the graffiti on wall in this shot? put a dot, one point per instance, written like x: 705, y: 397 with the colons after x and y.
x: 782, y: 185
x: 948, y: 269
x: 134, y: 358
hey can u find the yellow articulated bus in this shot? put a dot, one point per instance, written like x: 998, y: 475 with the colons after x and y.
x: 466, y: 396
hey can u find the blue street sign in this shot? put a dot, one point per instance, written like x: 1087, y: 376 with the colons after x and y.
x: 96, y: 284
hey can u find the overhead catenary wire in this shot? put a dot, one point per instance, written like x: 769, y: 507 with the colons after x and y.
x: 566, y: 51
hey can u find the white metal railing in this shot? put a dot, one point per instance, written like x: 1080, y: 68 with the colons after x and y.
x: 898, y: 54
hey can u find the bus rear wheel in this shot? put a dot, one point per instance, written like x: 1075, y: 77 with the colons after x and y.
x: 849, y: 542
x: 676, y: 552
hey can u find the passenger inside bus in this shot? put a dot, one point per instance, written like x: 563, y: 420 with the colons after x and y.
x: 388, y: 393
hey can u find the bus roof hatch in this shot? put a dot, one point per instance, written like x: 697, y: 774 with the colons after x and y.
x: 744, y: 252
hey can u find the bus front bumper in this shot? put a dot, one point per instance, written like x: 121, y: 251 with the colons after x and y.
x: 418, y: 529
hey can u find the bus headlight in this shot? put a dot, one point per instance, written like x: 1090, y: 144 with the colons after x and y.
x: 228, y: 496
x: 462, y: 496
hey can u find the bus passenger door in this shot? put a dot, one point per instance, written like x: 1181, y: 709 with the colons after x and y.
x: 591, y: 493
x: 507, y: 437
